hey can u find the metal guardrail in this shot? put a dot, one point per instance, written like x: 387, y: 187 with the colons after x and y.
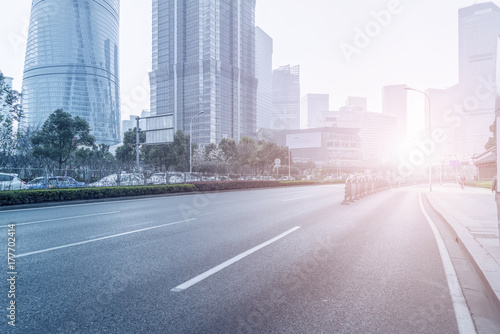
x: 362, y: 186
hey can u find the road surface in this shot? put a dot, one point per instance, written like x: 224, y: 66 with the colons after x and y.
x: 277, y: 260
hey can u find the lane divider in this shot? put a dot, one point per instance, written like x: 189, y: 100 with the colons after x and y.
x: 103, y: 238
x: 65, y: 218
x: 229, y: 262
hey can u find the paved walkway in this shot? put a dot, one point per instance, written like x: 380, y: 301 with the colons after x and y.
x: 472, y: 214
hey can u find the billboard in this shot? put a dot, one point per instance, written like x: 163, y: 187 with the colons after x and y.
x: 159, y: 129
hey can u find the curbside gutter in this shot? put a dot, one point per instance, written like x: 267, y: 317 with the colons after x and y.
x: 485, y: 264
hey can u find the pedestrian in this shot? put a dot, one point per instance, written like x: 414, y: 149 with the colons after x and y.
x: 494, y: 185
x: 462, y: 182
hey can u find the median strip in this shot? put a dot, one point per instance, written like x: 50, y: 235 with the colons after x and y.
x: 229, y: 262
x: 65, y: 218
x: 103, y: 238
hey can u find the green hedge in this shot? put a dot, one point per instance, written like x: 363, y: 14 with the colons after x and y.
x: 57, y: 195
x: 233, y: 185
x: 479, y: 184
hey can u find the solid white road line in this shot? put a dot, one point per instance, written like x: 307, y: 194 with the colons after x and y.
x: 111, y: 201
x: 462, y: 313
x: 102, y: 238
x: 65, y: 218
x: 229, y: 262
x: 294, y: 199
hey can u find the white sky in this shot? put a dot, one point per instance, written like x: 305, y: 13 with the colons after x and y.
x: 418, y: 47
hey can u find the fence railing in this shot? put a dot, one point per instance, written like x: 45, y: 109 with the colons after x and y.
x: 45, y: 178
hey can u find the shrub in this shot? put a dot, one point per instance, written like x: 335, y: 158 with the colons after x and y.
x: 57, y: 195
x: 233, y: 185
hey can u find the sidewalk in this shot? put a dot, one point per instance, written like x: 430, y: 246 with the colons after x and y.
x: 472, y: 214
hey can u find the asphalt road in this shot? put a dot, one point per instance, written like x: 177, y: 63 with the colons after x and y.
x: 280, y: 260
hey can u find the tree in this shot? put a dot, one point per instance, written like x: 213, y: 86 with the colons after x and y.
x: 174, y: 154
x: 268, y: 152
x: 228, y: 146
x: 126, y: 153
x: 247, y: 151
x: 10, y: 111
x: 10, y: 100
x: 97, y: 158
x: 492, y: 141
x: 60, y: 136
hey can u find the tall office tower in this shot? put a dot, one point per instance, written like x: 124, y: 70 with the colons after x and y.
x: 286, y: 98
x: 479, y: 28
x: 313, y: 107
x: 72, y: 64
x: 395, y: 103
x: 264, y: 74
x: 204, y: 62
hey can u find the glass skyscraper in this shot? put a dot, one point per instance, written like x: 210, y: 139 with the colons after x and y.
x: 204, y: 61
x: 72, y: 64
x: 479, y: 28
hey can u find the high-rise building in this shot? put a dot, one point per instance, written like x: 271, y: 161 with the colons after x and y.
x: 264, y: 74
x: 313, y: 107
x: 479, y: 28
x: 72, y: 64
x: 395, y: 103
x: 204, y: 64
x: 286, y: 98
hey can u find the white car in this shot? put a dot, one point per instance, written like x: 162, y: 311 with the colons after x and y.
x: 126, y: 179
x: 11, y: 182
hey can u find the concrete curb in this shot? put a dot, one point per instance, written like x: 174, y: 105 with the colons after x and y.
x: 485, y: 264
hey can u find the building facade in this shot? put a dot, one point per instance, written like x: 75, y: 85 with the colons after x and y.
x: 286, y: 98
x: 479, y: 28
x: 264, y: 74
x: 337, y: 149
x: 204, y: 64
x: 377, y: 132
x: 72, y: 64
x: 313, y: 106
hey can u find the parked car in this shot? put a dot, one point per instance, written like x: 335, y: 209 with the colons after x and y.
x: 126, y: 179
x: 54, y: 182
x: 11, y: 182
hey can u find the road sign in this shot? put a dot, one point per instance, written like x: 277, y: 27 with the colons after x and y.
x: 277, y: 162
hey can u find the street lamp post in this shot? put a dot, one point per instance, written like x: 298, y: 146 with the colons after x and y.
x: 190, y: 141
x: 137, y: 142
x: 430, y: 133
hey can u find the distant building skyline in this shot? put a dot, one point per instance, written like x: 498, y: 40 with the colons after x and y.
x: 72, y: 64
x: 264, y: 74
x: 286, y: 98
x: 377, y: 132
x: 334, y: 148
x: 312, y: 107
x: 204, y: 64
x: 357, y: 103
